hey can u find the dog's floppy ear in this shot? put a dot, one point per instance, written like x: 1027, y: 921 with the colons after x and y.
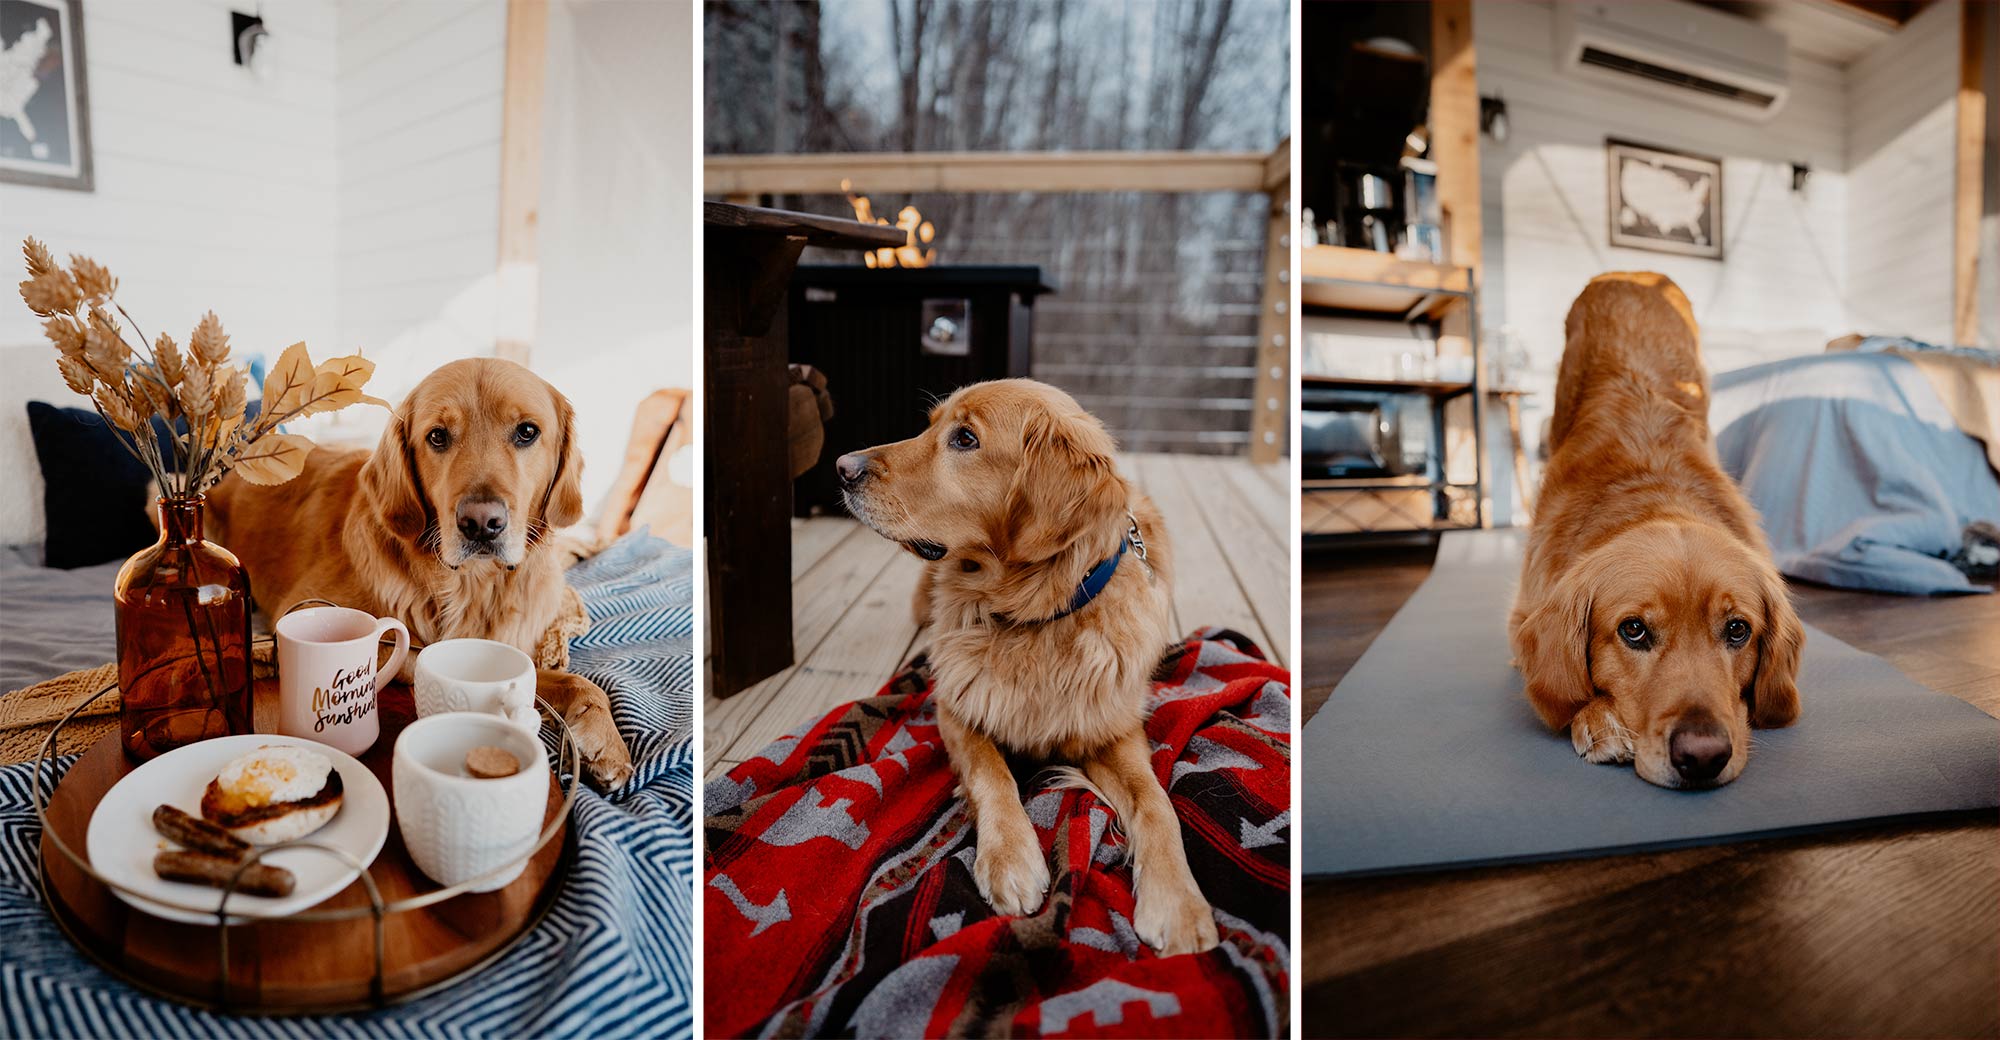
x: 390, y: 479
x: 1552, y: 649
x: 562, y: 500
x: 1067, y: 486
x: 1774, y: 692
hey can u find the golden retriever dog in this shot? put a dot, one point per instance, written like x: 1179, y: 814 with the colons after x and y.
x: 444, y: 525
x: 1650, y: 621
x: 1014, y: 497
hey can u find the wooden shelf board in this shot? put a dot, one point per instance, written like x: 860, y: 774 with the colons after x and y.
x: 1437, y: 388
x: 1312, y: 484
x: 1351, y: 279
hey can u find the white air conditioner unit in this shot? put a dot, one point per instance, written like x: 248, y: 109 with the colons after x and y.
x: 1674, y: 49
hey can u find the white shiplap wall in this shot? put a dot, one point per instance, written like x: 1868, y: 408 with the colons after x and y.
x: 1901, y: 134
x: 214, y: 189
x: 418, y: 132
x: 1779, y: 287
x: 1799, y: 268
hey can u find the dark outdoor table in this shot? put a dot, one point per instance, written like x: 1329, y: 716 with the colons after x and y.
x: 747, y: 260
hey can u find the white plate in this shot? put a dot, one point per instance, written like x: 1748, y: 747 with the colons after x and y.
x: 121, y: 840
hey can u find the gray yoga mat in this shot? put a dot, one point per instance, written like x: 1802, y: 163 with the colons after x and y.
x: 1428, y: 756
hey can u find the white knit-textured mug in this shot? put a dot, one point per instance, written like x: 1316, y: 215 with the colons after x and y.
x: 457, y: 826
x: 327, y: 674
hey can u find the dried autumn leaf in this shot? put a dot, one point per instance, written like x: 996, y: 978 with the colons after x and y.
x: 291, y: 379
x: 50, y: 293
x: 227, y: 427
x: 168, y: 356
x: 273, y: 458
x: 92, y: 279
x: 209, y: 342
x: 337, y: 384
x: 40, y: 260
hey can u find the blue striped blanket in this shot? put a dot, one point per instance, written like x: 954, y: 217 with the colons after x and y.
x: 610, y: 960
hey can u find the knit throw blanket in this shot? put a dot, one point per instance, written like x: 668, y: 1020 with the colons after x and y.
x: 839, y: 897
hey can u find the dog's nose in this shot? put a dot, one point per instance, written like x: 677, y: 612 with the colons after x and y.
x: 1698, y: 748
x: 482, y: 519
x: 851, y: 467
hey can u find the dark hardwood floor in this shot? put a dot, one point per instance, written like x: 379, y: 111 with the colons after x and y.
x: 1885, y: 931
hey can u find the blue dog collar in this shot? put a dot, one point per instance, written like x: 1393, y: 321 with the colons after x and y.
x: 1094, y: 582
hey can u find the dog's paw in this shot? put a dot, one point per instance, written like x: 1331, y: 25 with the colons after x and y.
x: 1173, y: 918
x: 605, y: 758
x: 1598, y: 736
x: 1012, y: 875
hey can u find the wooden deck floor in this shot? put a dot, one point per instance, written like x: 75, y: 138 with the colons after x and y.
x: 851, y: 589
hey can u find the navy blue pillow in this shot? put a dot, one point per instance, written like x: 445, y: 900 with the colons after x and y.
x: 94, y: 493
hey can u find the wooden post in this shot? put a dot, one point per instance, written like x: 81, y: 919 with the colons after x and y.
x: 526, y: 71
x: 1454, y: 127
x: 1454, y: 124
x: 1968, y: 201
x: 748, y: 515
x: 1270, y: 416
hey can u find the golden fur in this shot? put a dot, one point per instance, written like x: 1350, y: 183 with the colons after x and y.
x: 1638, y: 522
x: 363, y: 529
x: 1012, y: 525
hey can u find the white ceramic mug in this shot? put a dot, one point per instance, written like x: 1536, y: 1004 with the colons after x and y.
x: 327, y: 674
x: 477, y: 675
x: 457, y: 826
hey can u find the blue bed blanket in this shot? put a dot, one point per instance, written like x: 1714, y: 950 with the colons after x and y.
x: 1863, y: 478
x: 612, y: 959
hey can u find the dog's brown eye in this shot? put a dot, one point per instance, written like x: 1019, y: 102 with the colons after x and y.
x: 438, y: 438
x: 1633, y: 631
x: 1737, y: 631
x: 963, y: 439
x: 526, y: 433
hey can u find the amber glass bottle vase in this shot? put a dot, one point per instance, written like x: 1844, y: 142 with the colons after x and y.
x: 183, y: 638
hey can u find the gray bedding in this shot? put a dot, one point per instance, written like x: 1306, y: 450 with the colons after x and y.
x: 1862, y: 476
x: 52, y: 621
x: 1427, y: 754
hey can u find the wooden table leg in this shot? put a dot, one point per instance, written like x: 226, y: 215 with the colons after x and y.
x: 748, y: 487
x: 1520, y: 455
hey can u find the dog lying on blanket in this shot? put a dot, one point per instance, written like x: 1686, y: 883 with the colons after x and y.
x: 444, y: 525
x: 1048, y: 594
x: 1650, y: 622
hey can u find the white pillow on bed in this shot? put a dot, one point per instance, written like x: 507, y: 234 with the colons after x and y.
x: 31, y: 376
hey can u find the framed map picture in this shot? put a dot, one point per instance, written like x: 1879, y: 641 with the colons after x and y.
x: 44, y: 102
x: 1668, y: 202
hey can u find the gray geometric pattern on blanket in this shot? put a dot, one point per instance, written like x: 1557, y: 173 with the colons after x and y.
x: 610, y: 961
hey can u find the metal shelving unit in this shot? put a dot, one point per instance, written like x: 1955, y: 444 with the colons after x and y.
x: 1362, y: 283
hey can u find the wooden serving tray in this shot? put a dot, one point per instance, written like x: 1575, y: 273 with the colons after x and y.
x: 294, y: 967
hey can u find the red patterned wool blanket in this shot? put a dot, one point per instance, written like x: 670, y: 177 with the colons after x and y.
x: 839, y: 898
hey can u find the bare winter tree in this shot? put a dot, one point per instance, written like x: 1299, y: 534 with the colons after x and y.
x: 1155, y: 325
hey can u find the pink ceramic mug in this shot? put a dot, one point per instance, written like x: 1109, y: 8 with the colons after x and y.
x: 327, y: 674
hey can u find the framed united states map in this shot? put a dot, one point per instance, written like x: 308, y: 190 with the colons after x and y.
x: 1665, y: 201
x: 44, y: 98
